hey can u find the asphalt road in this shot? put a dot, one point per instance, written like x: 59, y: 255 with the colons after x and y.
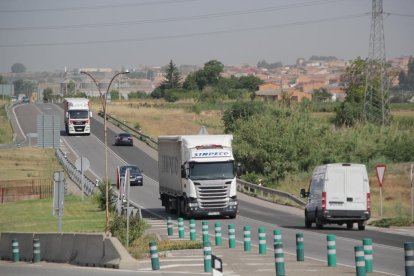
x: 388, y: 252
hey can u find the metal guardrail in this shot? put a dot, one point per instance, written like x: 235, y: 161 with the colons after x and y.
x: 142, y: 137
x: 265, y: 193
x: 75, y: 175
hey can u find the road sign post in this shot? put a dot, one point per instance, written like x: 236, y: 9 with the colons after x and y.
x: 82, y: 164
x: 127, y: 183
x: 380, y: 171
x: 58, y: 196
x: 412, y: 191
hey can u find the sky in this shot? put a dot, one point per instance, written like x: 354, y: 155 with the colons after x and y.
x: 49, y: 35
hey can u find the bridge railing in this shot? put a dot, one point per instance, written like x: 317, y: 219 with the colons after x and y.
x: 75, y: 175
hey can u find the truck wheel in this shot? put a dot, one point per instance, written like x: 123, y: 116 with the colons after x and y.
x: 232, y: 216
x: 349, y: 225
x: 361, y: 226
x: 308, y: 223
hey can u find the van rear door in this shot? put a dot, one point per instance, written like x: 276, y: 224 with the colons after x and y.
x: 335, y: 189
x: 356, y: 188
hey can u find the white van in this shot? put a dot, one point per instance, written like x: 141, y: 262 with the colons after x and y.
x: 340, y: 194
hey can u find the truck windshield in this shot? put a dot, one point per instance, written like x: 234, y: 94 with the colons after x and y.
x: 78, y: 114
x: 210, y: 171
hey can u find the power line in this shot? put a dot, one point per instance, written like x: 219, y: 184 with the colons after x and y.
x: 150, y: 3
x: 238, y: 30
x: 174, y: 19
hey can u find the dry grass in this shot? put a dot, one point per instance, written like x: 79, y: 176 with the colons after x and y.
x: 156, y: 121
x: 27, y: 163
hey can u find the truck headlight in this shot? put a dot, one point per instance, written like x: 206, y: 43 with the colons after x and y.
x: 192, y: 204
x: 232, y: 203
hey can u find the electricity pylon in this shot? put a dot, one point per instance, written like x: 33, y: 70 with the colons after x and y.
x: 376, y: 106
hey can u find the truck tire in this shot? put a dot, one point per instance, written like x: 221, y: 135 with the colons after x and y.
x: 349, y: 225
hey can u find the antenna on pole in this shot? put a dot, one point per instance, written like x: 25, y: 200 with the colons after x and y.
x: 376, y: 106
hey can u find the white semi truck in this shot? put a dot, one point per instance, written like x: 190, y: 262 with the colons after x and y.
x: 78, y: 116
x: 197, y: 176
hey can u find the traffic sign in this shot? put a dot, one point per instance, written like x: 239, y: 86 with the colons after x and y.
x: 82, y: 164
x: 380, y: 169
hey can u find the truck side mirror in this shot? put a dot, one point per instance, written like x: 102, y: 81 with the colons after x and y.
x: 183, y: 173
x: 90, y: 114
x: 67, y: 114
x: 239, y: 170
x: 303, y: 193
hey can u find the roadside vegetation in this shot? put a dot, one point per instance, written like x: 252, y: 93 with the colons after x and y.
x: 6, y: 132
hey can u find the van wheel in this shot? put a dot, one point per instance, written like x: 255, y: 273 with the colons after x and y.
x: 349, y: 225
x: 318, y: 222
x: 361, y: 226
x: 308, y: 223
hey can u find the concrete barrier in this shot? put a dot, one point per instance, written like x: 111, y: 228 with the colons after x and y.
x: 25, y: 245
x: 79, y: 249
x: 90, y: 249
x: 5, y: 246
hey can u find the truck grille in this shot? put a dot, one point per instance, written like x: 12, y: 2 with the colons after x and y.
x: 213, y: 197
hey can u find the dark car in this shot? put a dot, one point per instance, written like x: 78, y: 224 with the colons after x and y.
x: 135, y: 175
x: 124, y: 139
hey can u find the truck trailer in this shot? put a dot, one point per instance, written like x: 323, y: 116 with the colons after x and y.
x: 197, y: 176
x: 78, y: 116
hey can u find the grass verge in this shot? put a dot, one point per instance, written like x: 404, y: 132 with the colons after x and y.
x: 36, y: 216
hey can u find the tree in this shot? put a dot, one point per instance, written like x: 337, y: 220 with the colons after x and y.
x: 212, y: 70
x: 321, y: 95
x: 2, y: 80
x: 24, y: 87
x: 47, y: 94
x: 351, y: 109
x: 18, y: 68
x: 172, y: 77
x: 407, y: 80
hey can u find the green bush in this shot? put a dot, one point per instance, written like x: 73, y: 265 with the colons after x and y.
x: 100, y: 197
x: 387, y: 222
x: 118, y: 225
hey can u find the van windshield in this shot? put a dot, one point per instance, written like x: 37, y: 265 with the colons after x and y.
x: 211, y: 171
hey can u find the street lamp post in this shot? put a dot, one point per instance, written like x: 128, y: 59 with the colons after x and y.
x: 103, y: 102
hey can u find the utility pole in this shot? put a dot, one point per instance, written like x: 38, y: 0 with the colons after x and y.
x: 376, y: 106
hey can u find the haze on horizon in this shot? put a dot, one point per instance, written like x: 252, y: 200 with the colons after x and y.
x: 47, y: 35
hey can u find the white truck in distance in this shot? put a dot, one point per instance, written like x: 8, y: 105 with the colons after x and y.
x: 77, y: 116
x: 196, y: 175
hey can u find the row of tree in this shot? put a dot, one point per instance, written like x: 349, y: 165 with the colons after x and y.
x: 204, y: 84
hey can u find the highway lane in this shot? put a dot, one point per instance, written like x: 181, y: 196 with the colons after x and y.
x: 388, y: 253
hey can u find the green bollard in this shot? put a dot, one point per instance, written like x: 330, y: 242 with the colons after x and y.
x: 262, y: 241
x: 279, y: 256
x: 36, y: 250
x: 170, y: 230
x: 247, y: 239
x: 205, y: 230
x: 369, y: 260
x: 232, y: 236
x: 217, y: 230
x: 300, y: 247
x: 192, y: 230
x: 331, y: 250
x: 15, y: 250
x: 360, y: 260
x: 155, y: 261
x: 207, y: 257
x: 181, y: 228
x: 409, y: 258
